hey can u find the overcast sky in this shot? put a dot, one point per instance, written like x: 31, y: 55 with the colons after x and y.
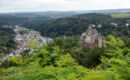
x: 60, y: 5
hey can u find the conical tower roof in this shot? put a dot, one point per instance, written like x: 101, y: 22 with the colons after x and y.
x: 90, y: 30
x: 95, y: 31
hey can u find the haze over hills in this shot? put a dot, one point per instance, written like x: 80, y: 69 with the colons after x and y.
x: 52, y: 14
x: 107, y: 11
x: 57, y: 14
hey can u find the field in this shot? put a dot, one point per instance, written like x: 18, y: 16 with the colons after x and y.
x: 125, y: 15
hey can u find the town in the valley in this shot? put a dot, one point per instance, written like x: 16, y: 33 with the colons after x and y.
x: 23, y: 37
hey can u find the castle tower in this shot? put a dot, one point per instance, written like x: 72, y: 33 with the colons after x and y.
x: 91, y: 38
x: 100, y: 41
x: 90, y: 30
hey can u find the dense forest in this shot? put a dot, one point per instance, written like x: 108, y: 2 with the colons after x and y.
x: 75, y: 25
x: 31, y: 17
x: 15, y: 20
x: 7, y: 43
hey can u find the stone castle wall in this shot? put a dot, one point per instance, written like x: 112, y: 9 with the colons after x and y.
x: 91, y: 38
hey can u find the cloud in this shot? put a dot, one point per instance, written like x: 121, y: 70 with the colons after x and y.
x: 60, y: 5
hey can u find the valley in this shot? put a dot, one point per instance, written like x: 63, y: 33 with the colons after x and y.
x: 65, y: 45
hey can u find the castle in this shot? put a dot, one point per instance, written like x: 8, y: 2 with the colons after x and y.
x: 91, y: 38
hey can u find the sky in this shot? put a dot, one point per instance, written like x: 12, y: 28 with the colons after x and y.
x: 60, y: 5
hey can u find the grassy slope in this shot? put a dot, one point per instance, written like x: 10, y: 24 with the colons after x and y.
x: 124, y: 15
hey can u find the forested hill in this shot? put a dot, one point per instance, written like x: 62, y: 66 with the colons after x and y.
x: 52, y: 14
x: 75, y: 25
x: 30, y: 17
x: 7, y: 43
x: 13, y: 20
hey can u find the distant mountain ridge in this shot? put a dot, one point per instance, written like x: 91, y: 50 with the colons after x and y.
x: 104, y: 11
x: 52, y: 14
x: 64, y: 13
x: 59, y: 14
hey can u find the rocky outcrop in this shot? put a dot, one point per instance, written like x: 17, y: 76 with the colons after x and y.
x: 91, y: 38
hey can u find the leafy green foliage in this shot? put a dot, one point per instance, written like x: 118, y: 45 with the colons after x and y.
x: 101, y: 75
x: 45, y: 57
x: 21, y: 61
x: 68, y: 44
x: 65, y: 61
x: 89, y: 57
x: 119, y: 59
x: 46, y: 64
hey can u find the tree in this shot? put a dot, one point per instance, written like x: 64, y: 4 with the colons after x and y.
x: 118, y: 60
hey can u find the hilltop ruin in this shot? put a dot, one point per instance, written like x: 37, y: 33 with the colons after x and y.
x: 91, y: 38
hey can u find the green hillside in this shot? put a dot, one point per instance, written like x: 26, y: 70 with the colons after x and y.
x: 75, y: 25
x: 121, y: 15
x: 14, y: 20
x: 7, y: 43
